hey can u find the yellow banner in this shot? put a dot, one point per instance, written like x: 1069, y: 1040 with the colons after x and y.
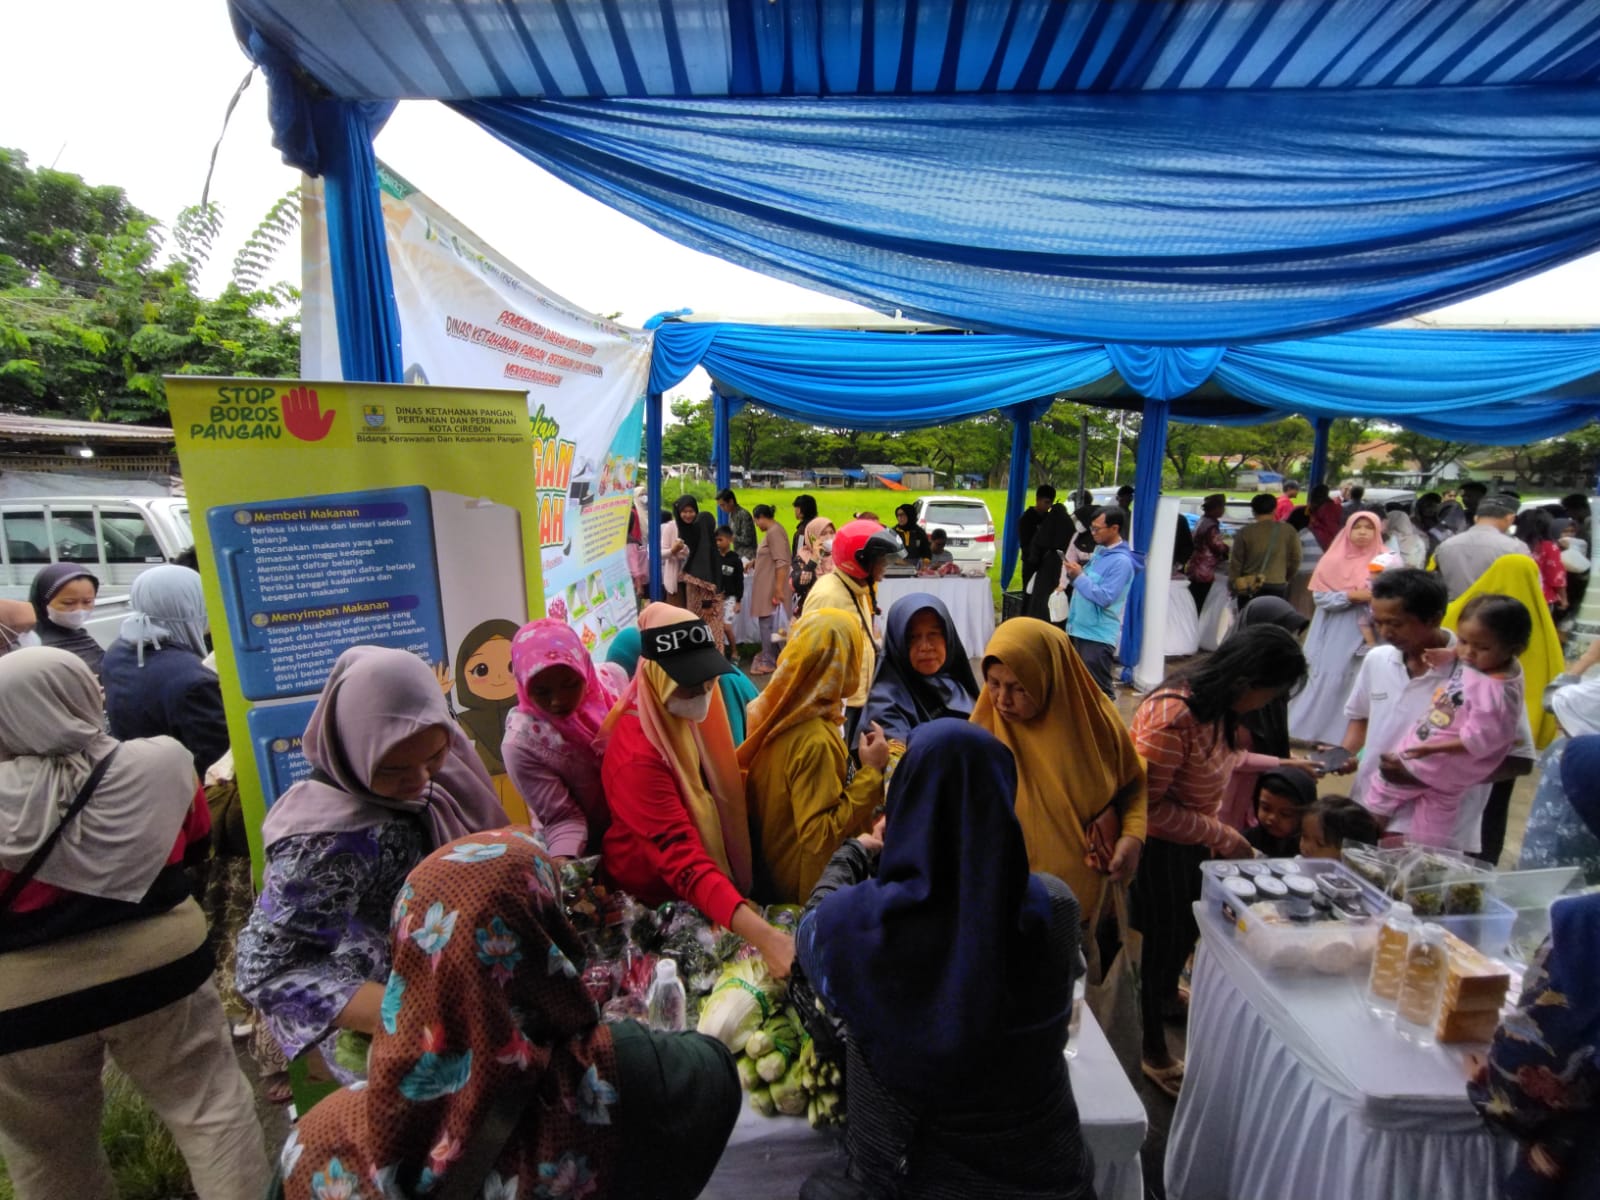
x: 328, y: 515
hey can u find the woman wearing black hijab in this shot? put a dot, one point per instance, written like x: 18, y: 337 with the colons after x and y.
x: 1050, y: 543
x: 63, y: 596
x: 1267, y: 727
x: 912, y: 535
x: 805, y: 512
x: 698, y: 574
x: 952, y: 967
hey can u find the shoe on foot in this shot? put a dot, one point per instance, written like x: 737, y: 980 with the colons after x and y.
x: 1169, y: 1078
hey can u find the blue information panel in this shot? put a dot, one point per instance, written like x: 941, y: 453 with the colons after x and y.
x: 275, y: 731
x: 305, y: 579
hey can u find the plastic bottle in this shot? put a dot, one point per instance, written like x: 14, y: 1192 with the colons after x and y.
x: 1389, y: 960
x: 1427, y: 966
x: 667, y: 1007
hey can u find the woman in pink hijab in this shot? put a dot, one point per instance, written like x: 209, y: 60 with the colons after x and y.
x: 393, y: 778
x: 1341, y: 589
x: 549, y: 751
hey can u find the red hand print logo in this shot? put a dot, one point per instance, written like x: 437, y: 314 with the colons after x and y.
x: 303, y: 415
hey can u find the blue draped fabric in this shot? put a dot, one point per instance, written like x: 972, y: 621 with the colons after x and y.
x: 1149, y: 458
x: 1164, y: 372
x: 364, y: 308
x: 1488, y: 386
x: 1493, y: 386
x: 450, y: 49
x: 882, y: 381
x: 979, y: 211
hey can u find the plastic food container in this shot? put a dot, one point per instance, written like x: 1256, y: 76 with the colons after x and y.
x: 1324, y: 944
x: 1442, y: 886
x: 1529, y: 895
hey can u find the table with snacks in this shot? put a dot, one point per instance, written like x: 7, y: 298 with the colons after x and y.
x: 1295, y: 1088
x: 970, y: 601
x: 768, y: 1158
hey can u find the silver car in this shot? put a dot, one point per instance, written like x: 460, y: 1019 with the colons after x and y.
x: 968, y: 527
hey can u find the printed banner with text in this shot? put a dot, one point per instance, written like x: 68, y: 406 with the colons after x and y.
x: 329, y: 515
x: 470, y: 318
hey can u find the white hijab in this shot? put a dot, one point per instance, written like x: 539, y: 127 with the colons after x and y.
x: 168, y: 604
x: 51, y: 722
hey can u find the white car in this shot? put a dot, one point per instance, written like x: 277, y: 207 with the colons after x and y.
x: 968, y: 527
x: 117, y: 537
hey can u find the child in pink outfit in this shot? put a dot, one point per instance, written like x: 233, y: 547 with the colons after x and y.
x: 1470, y: 727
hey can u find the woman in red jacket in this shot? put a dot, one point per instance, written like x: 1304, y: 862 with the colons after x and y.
x: 679, y: 828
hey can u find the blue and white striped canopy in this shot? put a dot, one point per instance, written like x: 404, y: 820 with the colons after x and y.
x: 597, y: 49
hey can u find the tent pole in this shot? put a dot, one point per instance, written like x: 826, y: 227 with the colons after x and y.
x: 1083, y: 452
x: 1150, y: 452
x: 721, y: 449
x: 652, y: 437
x: 1016, y: 491
x: 1321, y: 426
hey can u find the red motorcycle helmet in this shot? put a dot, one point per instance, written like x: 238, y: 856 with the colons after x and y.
x: 859, y: 544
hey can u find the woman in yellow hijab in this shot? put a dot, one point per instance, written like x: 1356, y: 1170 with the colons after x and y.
x: 801, y: 809
x: 1517, y: 576
x: 1076, y: 765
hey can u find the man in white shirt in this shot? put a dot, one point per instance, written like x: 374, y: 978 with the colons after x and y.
x: 1394, y: 690
x: 1463, y: 558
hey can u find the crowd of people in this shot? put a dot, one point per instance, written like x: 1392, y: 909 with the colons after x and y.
x: 958, y: 838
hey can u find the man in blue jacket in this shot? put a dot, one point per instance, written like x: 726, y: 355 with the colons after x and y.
x: 1099, y: 592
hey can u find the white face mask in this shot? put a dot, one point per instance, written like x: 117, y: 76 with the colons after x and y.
x: 696, y: 708
x: 75, y: 619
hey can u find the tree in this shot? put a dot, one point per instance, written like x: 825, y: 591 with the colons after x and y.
x: 688, y: 438
x: 1430, y: 455
x: 1344, y: 435
x: 92, y: 316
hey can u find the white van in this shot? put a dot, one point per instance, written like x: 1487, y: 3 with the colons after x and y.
x: 115, y: 537
x: 968, y: 527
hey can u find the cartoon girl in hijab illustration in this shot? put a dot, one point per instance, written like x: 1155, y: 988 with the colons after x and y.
x: 485, y: 689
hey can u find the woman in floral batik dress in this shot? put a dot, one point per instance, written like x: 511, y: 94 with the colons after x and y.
x: 490, y: 1052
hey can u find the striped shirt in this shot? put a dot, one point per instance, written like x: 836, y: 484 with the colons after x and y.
x: 1188, y: 763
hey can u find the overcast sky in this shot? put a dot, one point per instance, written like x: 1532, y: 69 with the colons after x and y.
x: 133, y: 94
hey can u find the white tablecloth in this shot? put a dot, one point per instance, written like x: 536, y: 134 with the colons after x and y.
x: 1183, y: 621
x: 1216, y: 618
x: 1294, y: 1090
x: 768, y: 1158
x: 745, y: 630
x: 970, y: 601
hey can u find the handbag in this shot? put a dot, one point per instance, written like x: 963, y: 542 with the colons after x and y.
x: 1246, y: 585
x: 1060, y: 606
x: 1111, y: 990
x: 31, y: 867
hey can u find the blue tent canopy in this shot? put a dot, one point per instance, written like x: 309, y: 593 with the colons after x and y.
x: 1191, y: 195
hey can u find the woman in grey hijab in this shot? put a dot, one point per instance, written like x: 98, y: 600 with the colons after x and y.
x: 102, y: 950
x: 156, y: 683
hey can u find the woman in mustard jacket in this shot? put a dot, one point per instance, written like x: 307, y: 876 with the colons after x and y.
x: 795, y: 760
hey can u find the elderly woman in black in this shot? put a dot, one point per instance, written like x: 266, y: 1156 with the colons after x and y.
x: 952, y: 968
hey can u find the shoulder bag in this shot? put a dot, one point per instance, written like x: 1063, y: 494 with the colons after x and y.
x: 31, y: 868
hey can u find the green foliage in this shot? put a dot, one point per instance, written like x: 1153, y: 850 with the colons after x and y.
x: 1429, y: 454
x: 145, y: 1161
x: 92, y: 316
x: 256, y: 256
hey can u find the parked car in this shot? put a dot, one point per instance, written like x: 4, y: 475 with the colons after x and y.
x: 968, y: 527
x: 116, y: 537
